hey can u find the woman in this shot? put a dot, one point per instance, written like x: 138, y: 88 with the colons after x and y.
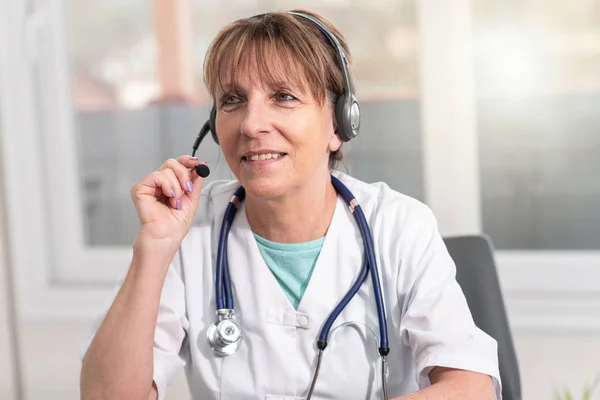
x: 294, y: 250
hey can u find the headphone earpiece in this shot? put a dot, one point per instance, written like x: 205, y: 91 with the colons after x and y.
x: 347, y: 114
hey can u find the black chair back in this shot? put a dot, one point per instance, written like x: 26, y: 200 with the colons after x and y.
x: 477, y: 276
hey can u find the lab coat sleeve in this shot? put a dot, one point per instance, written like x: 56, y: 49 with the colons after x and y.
x: 437, y: 324
x: 170, y: 332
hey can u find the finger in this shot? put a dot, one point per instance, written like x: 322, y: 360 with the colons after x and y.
x: 156, y: 185
x: 177, y: 191
x: 188, y: 161
x: 198, y: 181
x: 182, y: 172
x: 189, y: 200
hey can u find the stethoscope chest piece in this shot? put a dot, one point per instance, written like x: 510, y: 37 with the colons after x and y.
x: 225, y: 335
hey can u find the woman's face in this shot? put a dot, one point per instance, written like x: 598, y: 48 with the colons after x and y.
x: 276, y: 140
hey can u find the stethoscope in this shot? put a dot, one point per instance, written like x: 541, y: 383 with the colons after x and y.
x: 225, y: 335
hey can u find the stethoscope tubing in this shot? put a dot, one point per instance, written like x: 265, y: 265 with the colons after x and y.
x: 363, y: 226
x: 224, y: 295
x: 369, y: 249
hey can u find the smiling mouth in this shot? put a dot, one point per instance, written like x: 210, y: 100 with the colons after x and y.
x: 262, y: 157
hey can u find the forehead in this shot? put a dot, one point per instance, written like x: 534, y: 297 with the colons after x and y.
x: 265, y: 67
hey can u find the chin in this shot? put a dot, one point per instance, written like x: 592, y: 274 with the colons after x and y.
x: 265, y: 187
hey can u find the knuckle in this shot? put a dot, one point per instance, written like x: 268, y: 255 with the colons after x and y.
x: 168, y: 163
x: 135, y: 191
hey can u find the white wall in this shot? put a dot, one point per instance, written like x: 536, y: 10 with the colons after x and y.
x: 557, y: 360
x: 7, y: 372
x: 8, y: 387
x: 51, y: 361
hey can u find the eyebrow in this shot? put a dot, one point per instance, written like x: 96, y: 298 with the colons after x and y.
x: 280, y: 85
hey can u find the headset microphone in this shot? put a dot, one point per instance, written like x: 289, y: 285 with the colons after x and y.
x: 202, y: 170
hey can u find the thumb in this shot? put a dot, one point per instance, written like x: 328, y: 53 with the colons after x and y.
x: 197, y: 182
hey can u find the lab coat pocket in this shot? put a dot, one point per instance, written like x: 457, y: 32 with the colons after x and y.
x: 255, y: 370
x: 236, y: 379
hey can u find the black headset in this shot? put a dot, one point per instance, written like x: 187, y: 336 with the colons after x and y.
x: 347, y: 111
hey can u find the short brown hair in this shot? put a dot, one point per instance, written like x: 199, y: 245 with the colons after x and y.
x: 303, y: 56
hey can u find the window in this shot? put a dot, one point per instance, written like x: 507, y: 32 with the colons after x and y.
x: 538, y: 90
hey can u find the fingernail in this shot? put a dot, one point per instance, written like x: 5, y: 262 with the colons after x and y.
x: 178, y: 204
x: 172, y: 193
x: 190, y: 186
x: 194, y: 158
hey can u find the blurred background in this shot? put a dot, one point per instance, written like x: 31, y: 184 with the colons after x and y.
x: 487, y: 110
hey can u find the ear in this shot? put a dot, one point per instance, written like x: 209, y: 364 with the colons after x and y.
x: 334, y: 139
x: 334, y: 142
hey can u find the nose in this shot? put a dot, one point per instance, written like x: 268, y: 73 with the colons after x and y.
x: 256, y: 120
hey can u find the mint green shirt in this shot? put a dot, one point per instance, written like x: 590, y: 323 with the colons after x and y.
x: 291, y: 264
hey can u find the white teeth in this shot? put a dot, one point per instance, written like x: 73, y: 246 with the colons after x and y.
x: 264, y: 156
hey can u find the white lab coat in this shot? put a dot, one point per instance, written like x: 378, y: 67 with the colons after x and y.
x: 429, y: 322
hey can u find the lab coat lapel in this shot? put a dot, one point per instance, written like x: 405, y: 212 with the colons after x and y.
x: 337, y: 267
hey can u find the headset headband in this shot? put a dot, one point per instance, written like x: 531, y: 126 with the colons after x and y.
x: 343, y: 62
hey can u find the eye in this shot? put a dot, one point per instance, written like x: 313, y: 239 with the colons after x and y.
x: 284, y: 97
x: 229, y: 100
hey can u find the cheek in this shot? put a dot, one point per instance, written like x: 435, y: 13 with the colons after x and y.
x: 226, y: 134
x: 229, y: 148
x: 228, y: 145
